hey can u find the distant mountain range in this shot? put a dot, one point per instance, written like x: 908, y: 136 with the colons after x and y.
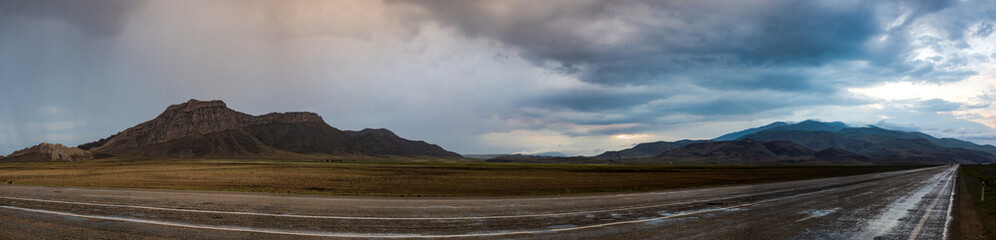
x: 810, y: 141
x: 516, y: 155
x: 209, y: 129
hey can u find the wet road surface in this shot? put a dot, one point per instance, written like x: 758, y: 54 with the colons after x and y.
x: 911, y: 204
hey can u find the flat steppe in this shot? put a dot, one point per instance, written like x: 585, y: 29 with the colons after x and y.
x: 403, y: 177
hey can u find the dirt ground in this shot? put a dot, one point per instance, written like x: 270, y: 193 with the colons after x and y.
x: 966, y: 224
x: 405, y: 179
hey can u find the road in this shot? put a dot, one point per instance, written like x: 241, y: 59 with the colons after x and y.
x: 911, y: 204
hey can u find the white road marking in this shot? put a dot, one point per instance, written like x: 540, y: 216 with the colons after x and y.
x: 947, y: 223
x: 102, y: 195
x: 357, y: 235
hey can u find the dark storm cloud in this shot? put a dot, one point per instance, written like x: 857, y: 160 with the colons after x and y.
x: 753, y: 103
x: 103, y: 17
x: 594, y: 100
x: 784, y: 80
x: 663, y: 38
x: 723, y: 107
x: 741, y: 57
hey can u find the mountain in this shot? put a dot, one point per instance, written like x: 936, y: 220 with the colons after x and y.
x: 840, y: 156
x: 483, y: 155
x: 737, y: 135
x: 550, y: 154
x: 736, y: 152
x: 645, y: 150
x: 808, y: 125
x: 47, y: 152
x: 788, y: 149
x: 878, y: 143
x: 813, y: 125
x: 382, y: 141
x: 210, y: 129
x: 810, y: 141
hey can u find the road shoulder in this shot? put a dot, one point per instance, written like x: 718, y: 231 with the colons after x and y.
x: 965, y: 223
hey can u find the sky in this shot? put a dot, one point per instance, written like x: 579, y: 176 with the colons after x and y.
x: 514, y: 76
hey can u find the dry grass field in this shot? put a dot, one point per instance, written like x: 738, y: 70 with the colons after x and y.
x: 406, y: 178
x: 974, y: 175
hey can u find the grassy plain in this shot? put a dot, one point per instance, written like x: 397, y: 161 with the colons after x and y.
x: 403, y: 177
x: 986, y: 210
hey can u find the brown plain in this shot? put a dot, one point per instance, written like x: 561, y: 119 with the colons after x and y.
x: 409, y: 178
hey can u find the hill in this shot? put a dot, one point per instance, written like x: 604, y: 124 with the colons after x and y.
x: 744, y: 151
x: 47, y: 152
x: 645, y: 150
x: 210, y: 129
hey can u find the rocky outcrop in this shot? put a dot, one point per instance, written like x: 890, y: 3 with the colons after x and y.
x: 48, y: 152
x: 191, y: 118
x: 211, y: 129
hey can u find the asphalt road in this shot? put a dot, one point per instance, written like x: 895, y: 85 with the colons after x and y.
x: 911, y: 204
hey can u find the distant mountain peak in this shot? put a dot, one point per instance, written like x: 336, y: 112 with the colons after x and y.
x: 739, y: 134
x: 815, y: 125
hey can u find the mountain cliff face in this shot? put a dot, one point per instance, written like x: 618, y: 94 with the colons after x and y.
x: 211, y: 129
x: 191, y: 118
x: 47, y: 152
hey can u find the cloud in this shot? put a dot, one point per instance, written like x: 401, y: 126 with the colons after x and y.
x: 595, y: 99
x: 50, y: 110
x: 635, y: 42
x: 937, y: 105
x: 468, y: 75
x: 98, y: 17
x: 54, y: 126
x: 549, y: 140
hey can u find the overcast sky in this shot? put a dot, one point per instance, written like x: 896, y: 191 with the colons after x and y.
x: 577, y: 76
